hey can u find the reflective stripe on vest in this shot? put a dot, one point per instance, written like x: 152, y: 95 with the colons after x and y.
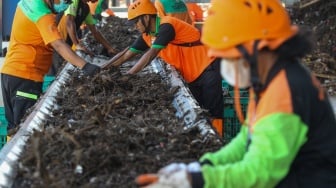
x: 26, y: 95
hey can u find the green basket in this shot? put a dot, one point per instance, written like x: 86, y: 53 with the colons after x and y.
x: 47, y: 80
x: 3, y: 128
x: 228, y: 90
x: 231, y: 124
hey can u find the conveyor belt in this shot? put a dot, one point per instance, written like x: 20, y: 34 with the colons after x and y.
x: 186, y: 106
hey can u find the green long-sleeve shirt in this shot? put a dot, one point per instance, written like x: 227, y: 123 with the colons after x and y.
x: 276, y: 140
x: 288, y: 140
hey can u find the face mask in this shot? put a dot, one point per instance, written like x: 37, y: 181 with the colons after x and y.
x: 62, y: 6
x: 228, y: 72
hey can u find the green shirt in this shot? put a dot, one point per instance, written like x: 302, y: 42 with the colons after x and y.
x: 72, y: 10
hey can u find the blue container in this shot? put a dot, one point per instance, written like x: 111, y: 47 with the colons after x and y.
x: 8, y: 11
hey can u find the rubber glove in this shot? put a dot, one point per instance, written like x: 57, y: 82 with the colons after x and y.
x: 191, y: 167
x: 90, y: 69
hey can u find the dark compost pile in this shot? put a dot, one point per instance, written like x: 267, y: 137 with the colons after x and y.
x: 105, y: 131
x: 320, y: 17
x: 117, y: 31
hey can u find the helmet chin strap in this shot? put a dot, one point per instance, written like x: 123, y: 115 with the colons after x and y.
x: 146, y: 25
x: 252, y: 59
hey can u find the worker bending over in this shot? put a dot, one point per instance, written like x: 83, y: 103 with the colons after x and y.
x: 33, y: 37
x: 78, y: 13
x: 177, y: 43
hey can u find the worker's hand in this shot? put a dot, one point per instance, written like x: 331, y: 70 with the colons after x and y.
x: 84, y: 49
x: 111, y: 52
x: 174, y: 167
x: 177, y: 179
x: 90, y: 69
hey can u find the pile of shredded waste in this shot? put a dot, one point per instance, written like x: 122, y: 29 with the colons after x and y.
x: 320, y: 17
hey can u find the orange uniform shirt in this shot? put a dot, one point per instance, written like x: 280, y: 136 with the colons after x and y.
x: 29, y: 54
x: 190, y: 61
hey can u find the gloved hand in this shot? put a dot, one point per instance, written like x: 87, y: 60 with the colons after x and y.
x: 90, y: 69
x: 191, y: 167
x: 177, y: 179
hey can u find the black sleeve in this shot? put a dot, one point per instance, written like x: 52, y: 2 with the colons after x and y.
x: 166, y: 34
x: 139, y: 44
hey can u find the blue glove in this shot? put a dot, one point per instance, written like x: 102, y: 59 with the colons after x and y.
x: 90, y: 69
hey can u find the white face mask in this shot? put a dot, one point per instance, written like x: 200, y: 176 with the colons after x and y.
x: 228, y: 72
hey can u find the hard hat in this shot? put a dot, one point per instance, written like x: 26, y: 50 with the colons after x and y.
x: 241, y: 22
x: 140, y: 7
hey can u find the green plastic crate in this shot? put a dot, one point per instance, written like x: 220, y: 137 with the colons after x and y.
x: 231, y: 124
x: 46, y: 82
x: 228, y: 90
x: 3, y: 128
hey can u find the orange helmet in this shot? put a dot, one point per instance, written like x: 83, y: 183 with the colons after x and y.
x: 241, y: 22
x: 140, y: 7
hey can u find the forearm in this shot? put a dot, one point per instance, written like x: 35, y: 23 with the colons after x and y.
x: 230, y: 153
x: 144, y: 60
x: 66, y: 52
x: 139, y: 65
x: 121, y: 58
x: 71, y: 29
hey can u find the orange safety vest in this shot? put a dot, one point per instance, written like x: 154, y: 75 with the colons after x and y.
x: 185, y: 52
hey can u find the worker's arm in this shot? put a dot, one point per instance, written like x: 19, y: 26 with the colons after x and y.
x: 144, y: 60
x: 276, y: 141
x: 165, y: 35
x: 71, y: 29
x: 66, y: 52
x: 120, y: 58
x: 138, y: 46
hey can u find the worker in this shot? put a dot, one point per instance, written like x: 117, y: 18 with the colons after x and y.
x: 77, y: 13
x: 288, y: 138
x: 177, y: 9
x: 100, y: 8
x: 70, y: 28
x: 34, y: 35
x: 177, y: 43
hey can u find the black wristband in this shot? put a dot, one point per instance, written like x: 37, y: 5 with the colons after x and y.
x: 197, y: 180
